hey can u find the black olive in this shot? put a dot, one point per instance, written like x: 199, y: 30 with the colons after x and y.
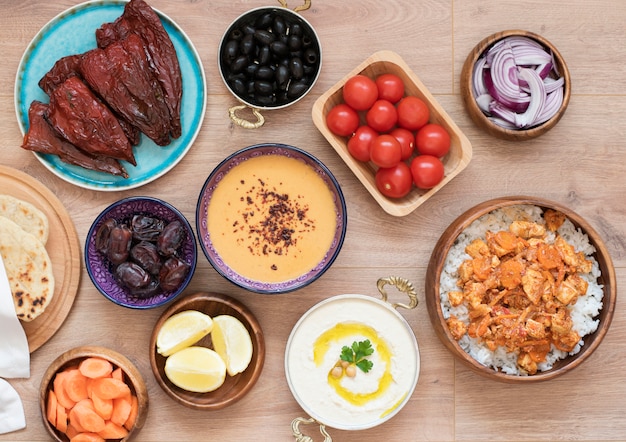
x: 279, y: 26
x: 264, y: 37
x: 279, y: 48
x: 264, y: 21
x: 307, y: 41
x: 296, y: 68
x: 310, y: 56
x: 295, y: 29
x: 263, y: 87
x: 294, y: 42
x: 264, y: 55
x: 239, y: 64
x: 265, y: 100
x: 282, y: 76
x: 250, y: 70
x: 247, y: 45
x: 231, y: 49
x: 236, y: 34
x: 238, y: 86
x: 264, y: 73
x: 248, y: 29
x: 296, y: 88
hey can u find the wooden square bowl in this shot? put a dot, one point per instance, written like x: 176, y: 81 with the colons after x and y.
x: 234, y: 387
x: 454, y: 162
x: 457, y: 231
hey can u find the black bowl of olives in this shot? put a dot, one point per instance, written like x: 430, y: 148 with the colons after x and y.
x: 141, y: 252
x: 270, y: 57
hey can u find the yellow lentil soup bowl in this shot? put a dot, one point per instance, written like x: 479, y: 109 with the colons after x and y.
x: 271, y: 218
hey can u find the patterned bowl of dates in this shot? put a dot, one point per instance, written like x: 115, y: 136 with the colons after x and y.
x: 141, y: 252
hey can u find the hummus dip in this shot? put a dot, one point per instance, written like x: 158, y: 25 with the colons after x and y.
x: 367, y: 399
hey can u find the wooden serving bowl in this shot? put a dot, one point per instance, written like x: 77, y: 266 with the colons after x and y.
x: 435, y: 267
x: 72, y: 358
x: 234, y: 387
x: 477, y: 114
x: 454, y: 162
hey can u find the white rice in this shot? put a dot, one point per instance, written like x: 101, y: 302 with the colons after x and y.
x: 582, y: 313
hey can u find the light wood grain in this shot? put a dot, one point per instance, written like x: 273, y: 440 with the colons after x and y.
x: 579, y: 163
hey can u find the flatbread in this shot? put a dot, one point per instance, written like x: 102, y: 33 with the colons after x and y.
x: 25, y: 215
x: 29, y: 269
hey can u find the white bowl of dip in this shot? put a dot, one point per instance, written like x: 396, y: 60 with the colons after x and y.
x: 367, y: 399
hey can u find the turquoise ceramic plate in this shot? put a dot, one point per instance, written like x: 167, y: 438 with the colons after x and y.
x: 72, y: 32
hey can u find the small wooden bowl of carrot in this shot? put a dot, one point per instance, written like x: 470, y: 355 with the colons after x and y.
x: 93, y: 394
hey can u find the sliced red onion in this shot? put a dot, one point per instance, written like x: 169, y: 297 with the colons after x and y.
x: 537, y: 98
x: 518, y: 74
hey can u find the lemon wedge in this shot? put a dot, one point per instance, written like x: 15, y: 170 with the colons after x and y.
x: 197, y: 369
x: 182, y: 330
x: 232, y: 342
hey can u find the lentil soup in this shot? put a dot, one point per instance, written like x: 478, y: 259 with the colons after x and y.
x: 272, y: 218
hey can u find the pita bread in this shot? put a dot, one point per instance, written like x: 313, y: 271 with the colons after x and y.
x: 29, y: 269
x: 25, y: 215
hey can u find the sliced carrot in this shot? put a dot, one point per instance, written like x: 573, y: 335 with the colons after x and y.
x: 75, y: 385
x: 104, y: 407
x: 121, y: 410
x: 95, y: 368
x: 113, y: 431
x: 87, y: 418
x: 51, y: 408
x: 132, y: 417
x: 87, y: 437
x: 118, y: 374
x: 61, y: 423
x: 59, y: 390
x: 109, y: 388
x: 71, y: 431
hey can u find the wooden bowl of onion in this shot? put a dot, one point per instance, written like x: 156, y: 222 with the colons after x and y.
x: 521, y: 289
x: 515, y: 85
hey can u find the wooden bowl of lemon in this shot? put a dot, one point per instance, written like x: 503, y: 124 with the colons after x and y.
x: 207, y: 351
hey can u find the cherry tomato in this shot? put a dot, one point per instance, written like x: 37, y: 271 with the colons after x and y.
x: 385, y: 151
x: 406, y: 139
x: 360, y: 92
x: 394, y: 182
x: 382, y: 116
x: 342, y: 120
x: 427, y: 171
x: 433, y: 139
x: 359, y: 144
x: 390, y: 87
x: 413, y: 113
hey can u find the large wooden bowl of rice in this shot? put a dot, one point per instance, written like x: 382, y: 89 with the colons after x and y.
x: 471, y: 326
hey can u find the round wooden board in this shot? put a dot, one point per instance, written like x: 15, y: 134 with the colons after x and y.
x: 63, y: 248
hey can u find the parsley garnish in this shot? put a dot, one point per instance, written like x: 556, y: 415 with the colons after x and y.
x: 357, y: 355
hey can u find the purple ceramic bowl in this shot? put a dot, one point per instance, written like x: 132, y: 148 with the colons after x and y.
x: 204, y: 200
x: 100, y: 269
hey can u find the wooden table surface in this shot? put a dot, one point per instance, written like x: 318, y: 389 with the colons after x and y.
x: 580, y: 163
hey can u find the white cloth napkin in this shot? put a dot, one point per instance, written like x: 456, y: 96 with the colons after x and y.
x: 14, y: 359
x: 12, y: 416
